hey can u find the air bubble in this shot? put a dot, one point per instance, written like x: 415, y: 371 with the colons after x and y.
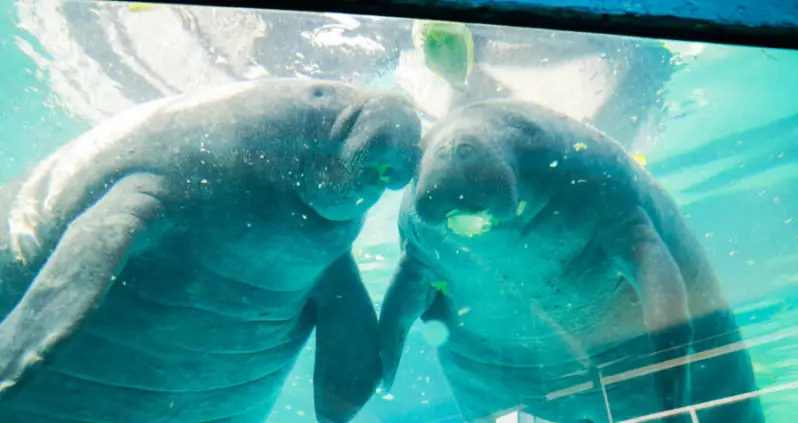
x: 435, y: 333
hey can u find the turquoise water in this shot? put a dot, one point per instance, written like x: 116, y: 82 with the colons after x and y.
x: 719, y: 131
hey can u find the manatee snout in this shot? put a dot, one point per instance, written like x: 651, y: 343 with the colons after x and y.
x: 384, y: 142
x: 379, y: 150
x: 465, y: 176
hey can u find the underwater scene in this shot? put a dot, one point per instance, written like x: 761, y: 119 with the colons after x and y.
x: 222, y: 215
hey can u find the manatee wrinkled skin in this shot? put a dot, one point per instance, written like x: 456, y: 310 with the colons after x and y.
x: 169, y: 265
x: 585, y: 274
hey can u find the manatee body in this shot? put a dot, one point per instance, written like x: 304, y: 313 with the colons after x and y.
x: 560, y: 269
x: 170, y: 264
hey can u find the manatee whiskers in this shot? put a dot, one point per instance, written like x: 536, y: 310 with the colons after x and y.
x: 335, y: 176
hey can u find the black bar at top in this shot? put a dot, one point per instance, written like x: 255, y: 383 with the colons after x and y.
x: 531, y: 16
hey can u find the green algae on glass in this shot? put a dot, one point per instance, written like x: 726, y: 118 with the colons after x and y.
x: 448, y: 50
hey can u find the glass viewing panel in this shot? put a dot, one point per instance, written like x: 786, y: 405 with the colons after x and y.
x: 220, y: 215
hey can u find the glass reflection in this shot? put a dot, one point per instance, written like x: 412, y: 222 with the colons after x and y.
x: 548, y: 225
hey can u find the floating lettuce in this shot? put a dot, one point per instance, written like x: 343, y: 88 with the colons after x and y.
x: 142, y: 7
x: 448, y: 50
x: 470, y: 224
x: 441, y: 286
x: 640, y: 158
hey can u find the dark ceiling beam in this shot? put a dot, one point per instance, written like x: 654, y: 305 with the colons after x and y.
x: 759, y: 23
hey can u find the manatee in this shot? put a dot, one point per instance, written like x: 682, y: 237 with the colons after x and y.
x: 170, y: 264
x: 559, y: 269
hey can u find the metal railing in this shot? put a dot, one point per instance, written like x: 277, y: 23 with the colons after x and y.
x: 518, y: 416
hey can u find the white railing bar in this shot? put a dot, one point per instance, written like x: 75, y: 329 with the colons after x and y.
x: 606, y: 398
x: 653, y: 368
x: 713, y: 403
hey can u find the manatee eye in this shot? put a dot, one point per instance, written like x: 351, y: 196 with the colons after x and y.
x: 319, y: 92
x: 464, y: 150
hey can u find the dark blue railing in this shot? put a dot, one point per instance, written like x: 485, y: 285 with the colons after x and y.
x: 767, y: 23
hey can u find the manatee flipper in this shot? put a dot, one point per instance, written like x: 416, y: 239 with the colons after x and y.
x: 410, y: 294
x: 659, y: 285
x: 347, y: 367
x: 76, y: 276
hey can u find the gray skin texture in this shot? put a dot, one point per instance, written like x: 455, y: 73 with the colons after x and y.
x: 170, y: 264
x: 598, y: 275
